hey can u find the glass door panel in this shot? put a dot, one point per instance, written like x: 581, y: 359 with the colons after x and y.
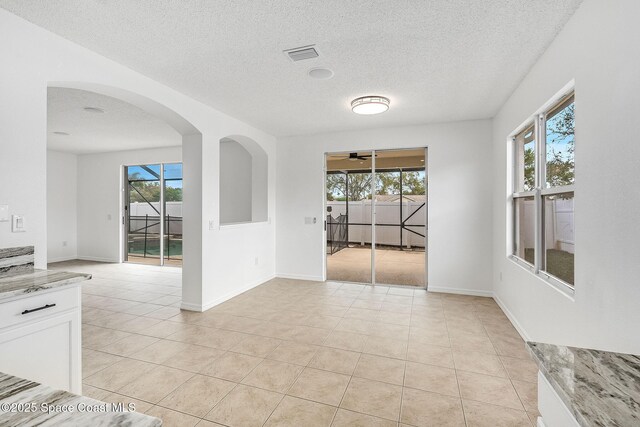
x: 349, y: 210
x: 400, y: 218
x: 142, y: 219
x: 173, y: 214
x: 336, y: 215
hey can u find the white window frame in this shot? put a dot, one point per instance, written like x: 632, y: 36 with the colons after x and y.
x: 540, y: 190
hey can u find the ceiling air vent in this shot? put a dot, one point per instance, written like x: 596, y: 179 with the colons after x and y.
x: 301, y: 53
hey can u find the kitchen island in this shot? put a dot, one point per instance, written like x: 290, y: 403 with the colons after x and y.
x: 584, y: 387
x: 40, y: 323
x: 28, y: 403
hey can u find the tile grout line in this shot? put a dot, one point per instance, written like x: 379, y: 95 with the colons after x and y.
x: 300, y: 297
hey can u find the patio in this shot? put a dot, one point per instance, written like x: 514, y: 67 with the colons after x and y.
x: 393, y: 267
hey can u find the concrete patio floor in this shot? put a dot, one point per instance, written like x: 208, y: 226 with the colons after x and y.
x: 393, y: 267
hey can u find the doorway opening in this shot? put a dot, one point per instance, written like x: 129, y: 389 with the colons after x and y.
x: 153, y: 192
x: 376, y: 217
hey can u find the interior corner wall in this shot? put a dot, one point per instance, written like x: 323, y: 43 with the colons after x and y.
x: 260, y: 186
x: 600, y: 48
x: 100, y: 181
x: 235, y: 183
x: 62, y: 240
x: 459, y: 200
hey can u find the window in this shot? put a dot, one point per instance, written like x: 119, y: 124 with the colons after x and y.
x: 543, y: 193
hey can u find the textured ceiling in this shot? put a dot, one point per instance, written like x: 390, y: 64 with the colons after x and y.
x: 122, y: 126
x: 437, y: 60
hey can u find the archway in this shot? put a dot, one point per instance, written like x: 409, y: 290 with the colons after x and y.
x: 188, y: 134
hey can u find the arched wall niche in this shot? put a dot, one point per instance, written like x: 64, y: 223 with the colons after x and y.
x: 243, y: 181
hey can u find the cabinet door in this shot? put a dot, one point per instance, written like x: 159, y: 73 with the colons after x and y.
x: 46, y: 351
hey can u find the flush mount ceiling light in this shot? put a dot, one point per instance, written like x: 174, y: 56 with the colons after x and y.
x: 62, y: 133
x: 95, y: 110
x: 370, y: 105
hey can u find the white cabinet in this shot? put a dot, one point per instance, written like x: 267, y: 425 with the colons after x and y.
x: 553, y: 411
x: 40, y: 337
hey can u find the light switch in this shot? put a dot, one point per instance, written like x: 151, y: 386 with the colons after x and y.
x: 4, y: 213
x: 18, y: 224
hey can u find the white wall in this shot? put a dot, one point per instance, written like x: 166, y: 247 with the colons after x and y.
x: 100, y: 180
x: 34, y: 59
x: 235, y: 183
x: 599, y: 48
x: 62, y: 241
x: 459, y: 214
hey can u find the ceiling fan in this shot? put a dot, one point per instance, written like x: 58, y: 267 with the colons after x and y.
x: 354, y: 156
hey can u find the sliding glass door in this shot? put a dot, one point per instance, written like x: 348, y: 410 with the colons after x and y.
x: 349, y: 217
x: 152, y: 214
x: 173, y: 214
x: 377, y: 200
x: 400, y: 218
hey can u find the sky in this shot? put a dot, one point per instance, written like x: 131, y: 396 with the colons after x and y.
x: 171, y: 170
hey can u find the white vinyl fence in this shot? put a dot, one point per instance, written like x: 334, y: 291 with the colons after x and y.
x: 386, y: 213
x: 140, y: 209
x: 559, y: 231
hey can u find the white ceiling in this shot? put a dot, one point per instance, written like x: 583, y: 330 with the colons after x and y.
x: 437, y: 60
x: 122, y: 126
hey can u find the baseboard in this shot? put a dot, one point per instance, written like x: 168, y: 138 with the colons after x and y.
x: 98, y: 259
x: 62, y: 259
x: 525, y: 336
x: 472, y: 292
x: 299, y: 277
x: 190, y: 307
x: 226, y: 297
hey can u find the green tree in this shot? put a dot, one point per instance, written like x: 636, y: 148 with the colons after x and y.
x: 561, y: 131
x: 150, y: 190
x: 359, y: 186
x: 173, y: 194
x: 389, y: 183
x: 529, y: 169
x: 413, y: 183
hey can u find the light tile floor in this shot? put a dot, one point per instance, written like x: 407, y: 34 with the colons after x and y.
x: 294, y: 353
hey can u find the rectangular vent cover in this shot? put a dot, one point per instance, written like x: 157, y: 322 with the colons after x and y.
x: 302, y: 53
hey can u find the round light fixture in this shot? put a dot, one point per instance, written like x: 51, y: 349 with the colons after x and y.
x: 370, y: 105
x: 62, y: 133
x: 320, y: 73
x: 94, y: 110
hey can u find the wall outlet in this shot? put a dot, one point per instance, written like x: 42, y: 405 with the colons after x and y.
x: 64, y: 243
x: 18, y: 224
x: 108, y: 217
x: 212, y: 224
x: 501, y: 276
x: 257, y: 261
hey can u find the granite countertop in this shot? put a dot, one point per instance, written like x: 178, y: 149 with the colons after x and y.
x: 20, y: 283
x: 27, y: 403
x: 600, y: 388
